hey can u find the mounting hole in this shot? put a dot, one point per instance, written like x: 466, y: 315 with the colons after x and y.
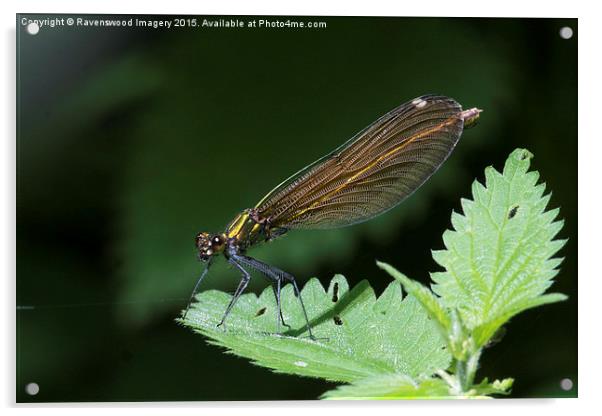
x: 565, y: 32
x: 32, y: 389
x: 566, y: 384
x: 33, y: 28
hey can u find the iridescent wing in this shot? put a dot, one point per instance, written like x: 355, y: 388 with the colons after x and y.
x: 372, y: 172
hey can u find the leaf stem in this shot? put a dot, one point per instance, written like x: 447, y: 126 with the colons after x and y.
x: 466, y: 371
x: 451, y: 381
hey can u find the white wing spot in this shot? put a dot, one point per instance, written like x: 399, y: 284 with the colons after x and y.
x: 300, y: 363
x: 419, y: 103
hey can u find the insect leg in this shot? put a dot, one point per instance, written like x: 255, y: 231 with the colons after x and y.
x: 273, y: 233
x: 196, y: 286
x: 239, y: 290
x: 276, y: 283
x: 276, y: 286
x: 291, y: 279
x: 276, y: 274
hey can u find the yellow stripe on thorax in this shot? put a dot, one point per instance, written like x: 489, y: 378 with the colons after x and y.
x: 237, y: 230
x: 237, y: 225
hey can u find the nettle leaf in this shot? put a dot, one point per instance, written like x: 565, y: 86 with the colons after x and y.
x: 498, y: 258
x: 401, y: 387
x: 428, y: 300
x: 390, y: 387
x: 358, y: 335
x: 485, y: 388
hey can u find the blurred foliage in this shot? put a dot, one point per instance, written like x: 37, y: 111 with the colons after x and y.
x: 130, y: 141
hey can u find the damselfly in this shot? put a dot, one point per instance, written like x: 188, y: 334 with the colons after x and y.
x: 364, y: 177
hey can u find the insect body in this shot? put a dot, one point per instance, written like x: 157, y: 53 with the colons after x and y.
x: 364, y: 177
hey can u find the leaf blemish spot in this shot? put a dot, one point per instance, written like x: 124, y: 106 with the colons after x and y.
x: 300, y: 363
x: 337, y: 320
x: 260, y: 312
x: 335, y: 292
x: 513, y: 211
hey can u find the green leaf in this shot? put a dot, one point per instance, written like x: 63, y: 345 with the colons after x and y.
x: 358, y: 335
x: 498, y: 258
x: 399, y: 386
x: 496, y: 387
x: 390, y: 387
x: 428, y: 300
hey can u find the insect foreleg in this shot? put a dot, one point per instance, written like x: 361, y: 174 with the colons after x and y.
x: 246, y: 277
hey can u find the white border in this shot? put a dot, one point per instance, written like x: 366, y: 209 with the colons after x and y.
x: 590, y: 218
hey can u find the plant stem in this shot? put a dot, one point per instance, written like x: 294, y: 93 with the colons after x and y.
x: 451, y: 381
x: 466, y: 370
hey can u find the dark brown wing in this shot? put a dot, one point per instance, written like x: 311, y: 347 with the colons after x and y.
x: 372, y: 172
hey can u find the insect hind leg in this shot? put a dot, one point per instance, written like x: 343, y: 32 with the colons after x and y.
x: 276, y: 287
x: 276, y: 274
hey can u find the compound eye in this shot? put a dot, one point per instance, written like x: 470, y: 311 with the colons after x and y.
x: 216, y: 240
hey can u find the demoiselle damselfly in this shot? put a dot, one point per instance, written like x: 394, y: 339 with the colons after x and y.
x: 367, y: 175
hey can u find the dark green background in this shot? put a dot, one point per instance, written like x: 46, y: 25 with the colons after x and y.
x: 130, y: 141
